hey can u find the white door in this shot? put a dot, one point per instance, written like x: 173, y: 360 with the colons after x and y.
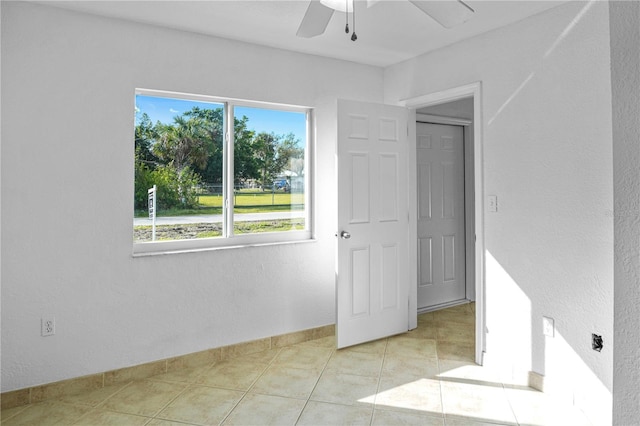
x: 441, y: 233
x: 372, y: 288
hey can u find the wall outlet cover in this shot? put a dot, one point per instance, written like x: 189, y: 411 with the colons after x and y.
x: 548, y: 328
x: 48, y: 325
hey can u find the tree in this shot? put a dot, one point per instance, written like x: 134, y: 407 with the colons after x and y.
x: 145, y: 136
x: 182, y: 143
x: 291, y: 155
x: 245, y: 166
x: 213, y: 126
x: 265, y: 152
x: 212, y: 122
x: 143, y: 181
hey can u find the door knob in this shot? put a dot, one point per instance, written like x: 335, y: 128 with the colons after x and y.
x: 345, y: 235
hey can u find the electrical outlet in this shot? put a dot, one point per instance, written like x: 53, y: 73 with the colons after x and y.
x: 548, y: 328
x: 48, y: 325
x: 596, y: 342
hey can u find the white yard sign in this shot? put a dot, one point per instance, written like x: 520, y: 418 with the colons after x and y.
x: 152, y: 210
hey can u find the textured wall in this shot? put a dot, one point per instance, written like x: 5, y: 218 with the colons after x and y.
x: 625, y: 77
x: 68, y: 83
x: 546, y: 118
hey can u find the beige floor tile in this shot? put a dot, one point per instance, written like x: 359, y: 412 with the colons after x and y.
x: 52, y: 391
x: 427, y: 316
x: 95, y: 397
x: 476, y: 402
x: 322, y: 413
x: 453, y: 332
x: 103, y: 417
x: 7, y: 413
x: 137, y: 372
x: 412, y: 348
x: 359, y: 363
x: 406, y: 392
x: 160, y: 422
x: 532, y: 407
x: 465, y: 421
x: 264, y: 357
x: 245, y: 348
x: 345, y: 389
x: 420, y: 367
x: 257, y: 409
x: 457, y: 351
x: 201, y: 405
x: 445, y: 317
x: 48, y: 413
x: 143, y: 398
x: 328, y: 342
x: 424, y: 331
x: 375, y: 347
x: 388, y: 417
x: 467, y: 372
x: 186, y: 375
x: 464, y: 308
x: 289, y: 382
x: 424, y: 377
x: 303, y: 357
x: 204, y: 358
x: 232, y: 375
x: 428, y: 324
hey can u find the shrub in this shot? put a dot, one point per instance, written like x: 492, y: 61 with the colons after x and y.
x: 143, y: 181
x: 176, y: 189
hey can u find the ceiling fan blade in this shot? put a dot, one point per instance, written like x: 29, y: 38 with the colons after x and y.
x: 447, y: 13
x: 315, y: 20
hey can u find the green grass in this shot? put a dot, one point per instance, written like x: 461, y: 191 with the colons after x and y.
x: 242, y: 198
x: 244, y: 202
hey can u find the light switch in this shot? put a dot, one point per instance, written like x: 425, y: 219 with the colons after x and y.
x: 548, y: 328
x: 493, y: 203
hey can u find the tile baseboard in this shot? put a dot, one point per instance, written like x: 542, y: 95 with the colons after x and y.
x: 76, y: 385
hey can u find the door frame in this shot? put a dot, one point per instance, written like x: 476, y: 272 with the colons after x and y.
x: 470, y: 90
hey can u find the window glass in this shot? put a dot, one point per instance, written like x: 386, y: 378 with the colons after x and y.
x: 191, y: 185
x: 269, y: 170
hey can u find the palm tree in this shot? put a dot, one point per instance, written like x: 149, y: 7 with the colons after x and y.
x: 182, y: 143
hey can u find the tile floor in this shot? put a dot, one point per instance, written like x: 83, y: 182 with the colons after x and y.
x: 425, y: 377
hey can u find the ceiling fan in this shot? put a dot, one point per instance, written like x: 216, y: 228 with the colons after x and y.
x: 447, y: 13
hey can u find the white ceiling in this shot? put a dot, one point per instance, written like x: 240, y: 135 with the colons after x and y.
x: 388, y: 32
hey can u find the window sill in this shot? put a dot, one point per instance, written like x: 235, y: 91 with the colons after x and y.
x: 159, y: 248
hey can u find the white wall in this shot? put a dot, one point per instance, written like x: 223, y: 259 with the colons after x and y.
x: 68, y: 85
x: 546, y: 109
x: 625, y: 69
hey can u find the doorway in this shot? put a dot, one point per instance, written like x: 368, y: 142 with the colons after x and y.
x: 474, y: 214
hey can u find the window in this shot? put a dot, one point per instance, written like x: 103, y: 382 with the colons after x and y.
x: 213, y: 172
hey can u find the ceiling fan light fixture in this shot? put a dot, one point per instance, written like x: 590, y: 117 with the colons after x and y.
x: 339, y: 5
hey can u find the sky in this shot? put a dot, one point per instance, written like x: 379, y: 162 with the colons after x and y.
x: 278, y: 122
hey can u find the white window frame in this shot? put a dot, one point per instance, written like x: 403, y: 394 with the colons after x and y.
x: 228, y: 239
